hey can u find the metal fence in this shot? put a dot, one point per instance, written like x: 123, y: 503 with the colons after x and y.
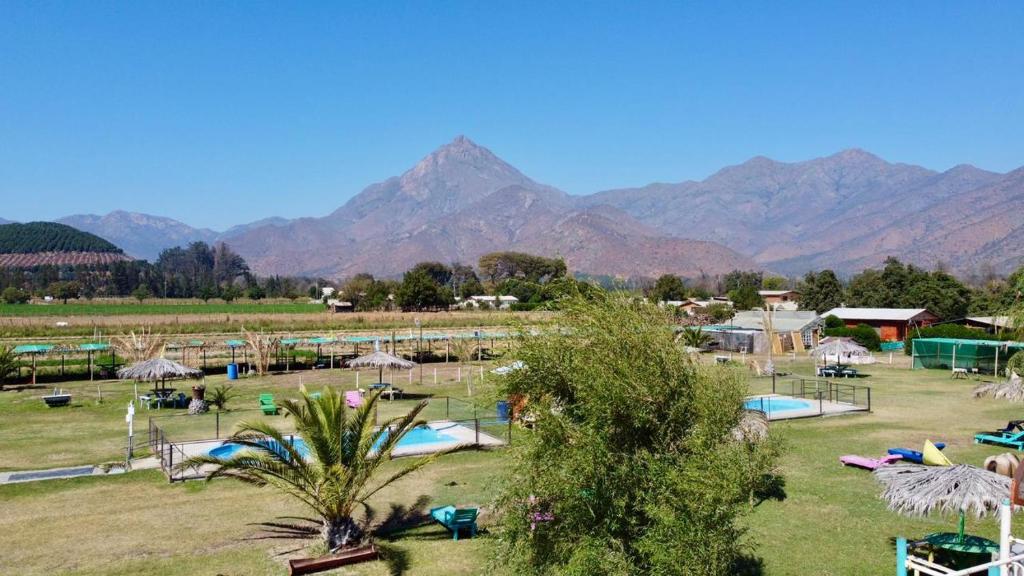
x: 169, y: 435
x: 839, y: 396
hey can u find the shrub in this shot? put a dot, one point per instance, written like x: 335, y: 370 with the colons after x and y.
x: 220, y: 396
x: 1016, y: 364
x: 12, y: 295
x: 833, y: 321
x: 632, y: 458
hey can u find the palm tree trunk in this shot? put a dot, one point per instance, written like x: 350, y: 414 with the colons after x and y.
x: 340, y: 533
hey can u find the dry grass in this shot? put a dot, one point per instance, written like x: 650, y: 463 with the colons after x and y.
x: 164, y: 320
x: 831, y: 522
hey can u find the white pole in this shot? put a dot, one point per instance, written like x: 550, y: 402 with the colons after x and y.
x: 410, y: 376
x: 954, y: 357
x: 435, y: 375
x: 357, y: 379
x: 1004, y: 536
x: 458, y: 374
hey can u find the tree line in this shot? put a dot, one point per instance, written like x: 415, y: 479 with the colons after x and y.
x: 894, y: 285
x: 533, y: 280
x: 198, y: 270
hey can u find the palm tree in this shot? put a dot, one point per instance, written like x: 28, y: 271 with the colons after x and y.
x: 694, y: 337
x: 345, y: 451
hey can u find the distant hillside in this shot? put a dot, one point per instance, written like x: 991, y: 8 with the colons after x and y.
x: 141, y: 235
x: 460, y: 202
x: 51, y: 244
x: 50, y: 237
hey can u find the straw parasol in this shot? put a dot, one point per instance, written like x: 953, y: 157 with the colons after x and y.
x: 158, y: 370
x: 1012, y: 389
x: 752, y: 427
x: 839, y: 347
x: 381, y: 360
x: 916, y: 490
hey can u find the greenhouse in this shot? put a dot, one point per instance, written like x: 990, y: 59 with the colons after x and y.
x: 973, y: 355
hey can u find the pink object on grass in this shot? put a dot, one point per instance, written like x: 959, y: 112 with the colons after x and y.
x: 353, y: 398
x: 869, y: 463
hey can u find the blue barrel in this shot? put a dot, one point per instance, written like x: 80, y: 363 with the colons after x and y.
x: 232, y: 371
x: 503, y: 410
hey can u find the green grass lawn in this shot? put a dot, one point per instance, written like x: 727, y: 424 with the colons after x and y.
x: 831, y: 520
x: 34, y: 436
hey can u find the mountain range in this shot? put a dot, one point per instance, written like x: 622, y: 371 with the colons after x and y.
x: 846, y: 211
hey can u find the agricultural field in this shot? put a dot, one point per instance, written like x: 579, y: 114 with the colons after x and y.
x: 89, y: 319
x: 156, y: 308
x: 829, y: 519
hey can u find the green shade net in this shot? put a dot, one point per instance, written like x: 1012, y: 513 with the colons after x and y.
x: 969, y: 354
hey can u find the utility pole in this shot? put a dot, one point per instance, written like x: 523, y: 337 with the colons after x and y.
x: 419, y: 348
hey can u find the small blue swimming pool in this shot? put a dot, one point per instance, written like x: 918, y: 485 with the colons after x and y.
x: 415, y: 437
x: 775, y: 405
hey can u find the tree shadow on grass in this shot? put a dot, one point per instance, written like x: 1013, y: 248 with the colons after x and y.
x: 400, y: 517
x: 771, y: 487
x: 747, y: 565
x: 396, y: 558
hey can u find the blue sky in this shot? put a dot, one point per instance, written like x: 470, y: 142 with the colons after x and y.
x: 222, y: 113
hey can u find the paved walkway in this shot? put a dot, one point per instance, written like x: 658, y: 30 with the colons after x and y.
x: 73, y: 472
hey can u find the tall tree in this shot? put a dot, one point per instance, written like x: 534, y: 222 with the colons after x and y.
x: 499, y: 266
x: 821, y: 291
x: 419, y: 291
x: 668, y: 287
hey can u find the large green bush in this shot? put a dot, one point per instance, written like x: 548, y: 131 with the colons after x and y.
x: 632, y: 468
x: 948, y: 331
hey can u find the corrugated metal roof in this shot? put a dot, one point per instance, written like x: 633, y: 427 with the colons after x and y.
x: 997, y: 321
x: 893, y: 314
x: 776, y: 292
x: 782, y: 320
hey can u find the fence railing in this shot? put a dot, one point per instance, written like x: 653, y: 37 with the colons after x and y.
x: 170, y: 434
x: 824, y: 396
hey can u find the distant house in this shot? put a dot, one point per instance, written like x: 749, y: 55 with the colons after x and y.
x: 792, y: 330
x: 890, y: 323
x: 780, y: 299
x: 693, y: 306
x: 337, y: 306
x: 483, y: 301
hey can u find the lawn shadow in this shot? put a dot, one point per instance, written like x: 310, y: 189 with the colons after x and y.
x: 400, y: 517
x: 771, y: 487
x: 396, y: 558
x: 747, y: 565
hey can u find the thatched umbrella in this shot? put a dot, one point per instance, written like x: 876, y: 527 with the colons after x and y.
x: 1012, y: 389
x: 916, y: 490
x: 839, y: 347
x: 752, y: 427
x: 381, y: 360
x: 158, y: 370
